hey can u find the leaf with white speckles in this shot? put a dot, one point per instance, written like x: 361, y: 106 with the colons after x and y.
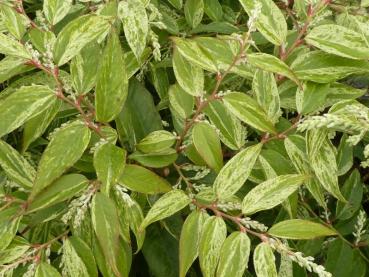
x: 234, y: 255
x: 77, y: 34
x: 236, y: 171
x: 271, y: 193
x: 65, y: 148
x: 16, y: 166
x: 112, y: 81
x: 23, y: 104
x: 135, y: 24
x: 167, y: 205
x: 213, y: 235
x: 264, y: 261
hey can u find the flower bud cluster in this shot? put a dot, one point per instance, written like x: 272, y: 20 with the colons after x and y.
x: 360, y: 227
x: 298, y: 257
x: 78, y: 207
x: 253, y: 224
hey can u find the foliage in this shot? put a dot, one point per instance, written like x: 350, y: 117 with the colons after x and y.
x: 184, y: 138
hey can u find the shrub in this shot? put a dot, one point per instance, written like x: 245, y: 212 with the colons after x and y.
x: 184, y: 138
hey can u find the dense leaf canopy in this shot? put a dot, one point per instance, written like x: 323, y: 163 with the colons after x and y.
x: 165, y: 138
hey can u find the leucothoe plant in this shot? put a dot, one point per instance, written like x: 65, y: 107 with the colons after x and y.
x: 215, y: 138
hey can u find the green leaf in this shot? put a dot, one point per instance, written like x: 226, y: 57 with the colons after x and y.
x: 236, y: 171
x: 270, y: 22
x: 167, y: 205
x: 264, y: 261
x: 76, y: 35
x: 223, y: 51
x: 323, y: 161
x: 15, y: 250
x: 232, y: 132
x: 213, y: 235
x: 271, y: 64
x: 343, y: 261
x: 207, y: 144
x: 213, y: 9
x: 156, y: 141
x: 248, y: 111
x: 295, y: 146
x: 135, y: 24
x: 11, y: 47
x: 57, y: 158
x: 62, y: 189
x: 180, y: 101
x: 271, y: 193
x: 8, y: 230
x: 352, y: 190
x: 142, y: 180
x: 12, y: 66
x: 339, y: 40
x: 234, y: 255
x: 14, y: 21
x: 156, y: 159
x: 56, y: 10
x: 106, y: 225
x: 189, y: 240
x: 139, y: 116
x: 79, y: 260
x: 176, y: 3
x: 46, y: 270
x: 38, y: 124
x: 193, y: 53
x: 267, y: 95
x: 84, y: 68
x: 190, y: 77
x: 16, y: 166
x: 109, y: 162
x: 321, y: 67
x: 25, y: 103
x: 345, y: 157
x: 311, y: 97
x: 112, y: 82
x: 194, y: 11
x: 131, y: 215
x: 300, y: 229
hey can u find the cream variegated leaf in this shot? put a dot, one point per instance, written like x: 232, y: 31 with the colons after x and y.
x: 248, y: 110
x: 271, y: 192
x: 232, y: 132
x: 267, y: 95
x: 77, y: 34
x: 264, y: 261
x: 270, y: 22
x: 16, y: 166
x: 10, y: 46
x: 167, y: 205
x: 236, y: 171
x: 189, y: 240
x: 234, y: 255
x: 213, y: 235
x: 339, y: 40
x: 56, y: 10
x: 135, y: 24
x: 190, y: 77
x: 57, y: 158
x: 322, y: 158
x: 25, y: 103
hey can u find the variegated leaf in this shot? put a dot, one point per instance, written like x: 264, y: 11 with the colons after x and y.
x: 135, y: 24
x: 236, y: 171
x: 167, y: 205
x: 213, y: 235
x: 271, y: 193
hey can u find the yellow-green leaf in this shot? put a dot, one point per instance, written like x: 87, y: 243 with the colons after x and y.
x: 300, y: 229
